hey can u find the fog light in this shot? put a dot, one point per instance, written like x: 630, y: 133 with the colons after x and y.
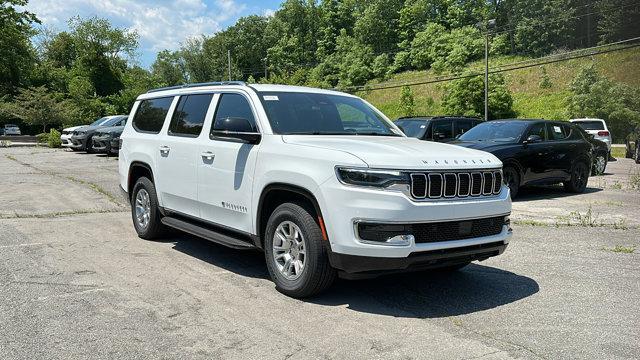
x: 507, y: 222
x: 400, y: 240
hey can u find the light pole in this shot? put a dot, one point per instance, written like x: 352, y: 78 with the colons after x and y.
x: 490, y: 24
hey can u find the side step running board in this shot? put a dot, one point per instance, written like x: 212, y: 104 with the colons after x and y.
x: 206, y: 233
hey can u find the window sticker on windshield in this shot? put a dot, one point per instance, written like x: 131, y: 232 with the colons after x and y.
x: 557, y: 129
x: 270, y: 98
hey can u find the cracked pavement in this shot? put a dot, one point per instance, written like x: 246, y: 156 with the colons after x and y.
x: 76, y: 282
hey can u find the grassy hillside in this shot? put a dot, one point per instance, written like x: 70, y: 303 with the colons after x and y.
x: 530, y: 99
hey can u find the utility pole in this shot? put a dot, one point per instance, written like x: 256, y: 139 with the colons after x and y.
x: 265, y: 67
x: 229, y: 61
x: 491, y: 23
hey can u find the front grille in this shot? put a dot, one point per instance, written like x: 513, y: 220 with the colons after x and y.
x: 435, y: 185
x: 434, y: 232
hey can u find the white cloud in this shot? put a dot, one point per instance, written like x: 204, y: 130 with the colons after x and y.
x: 268, y: 12
x: 161, y: 24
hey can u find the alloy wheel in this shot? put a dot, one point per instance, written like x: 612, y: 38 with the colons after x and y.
x: 289, y: 250
x: 580, y: 176
x: 143, y: 208
x: 600, y: 164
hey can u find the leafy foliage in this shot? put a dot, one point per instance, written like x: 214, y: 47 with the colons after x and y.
x: 466, y: 97
x: 406, y: 101
x: 596, y: 96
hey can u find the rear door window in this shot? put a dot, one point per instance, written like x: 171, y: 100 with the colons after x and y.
x: 557, y: 131
x: 150, y: 115
x: 442, y: 130
x: 189, y: 116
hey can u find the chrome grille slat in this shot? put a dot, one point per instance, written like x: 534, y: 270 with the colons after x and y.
x: 451, y: 184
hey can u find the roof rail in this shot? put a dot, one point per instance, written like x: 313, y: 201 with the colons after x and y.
x: 213, y: 83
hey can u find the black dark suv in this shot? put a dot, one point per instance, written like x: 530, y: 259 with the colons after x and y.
x: 436, y: 128
x: 535, y: 151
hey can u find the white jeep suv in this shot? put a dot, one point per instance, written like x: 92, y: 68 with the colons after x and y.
x: 320, y: 180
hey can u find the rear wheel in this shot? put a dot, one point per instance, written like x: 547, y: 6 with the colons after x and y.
x: 599, y: 164
x: 579, y: 178
x: 144, y: 210
x: 296, y: 257
x: 512, y: 179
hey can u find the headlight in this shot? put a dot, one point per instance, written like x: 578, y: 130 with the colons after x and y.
x: 376, y: 178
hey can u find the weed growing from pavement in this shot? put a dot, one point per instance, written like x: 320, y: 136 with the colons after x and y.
x: 5, y: 143
x: 634, y: 180
x: 622, y: 249
x: 588, y: 219
x: 12, y: 158
x: 60, y: 213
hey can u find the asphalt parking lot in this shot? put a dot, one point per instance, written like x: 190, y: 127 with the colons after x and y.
x: 76, y: 282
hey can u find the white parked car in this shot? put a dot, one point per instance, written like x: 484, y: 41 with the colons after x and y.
x: 320, y: 180
x: 597, y: 128
x: 65, y: 137
x: 10, y: 129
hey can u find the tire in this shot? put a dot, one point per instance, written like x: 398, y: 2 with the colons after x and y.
x: 314, y: 273
x: 599, y: 165
x: 152, y: 228
x: 579, y: 178
x: 512, y: 179
x: 88, y: 147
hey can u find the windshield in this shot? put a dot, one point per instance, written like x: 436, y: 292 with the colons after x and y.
x: 322, y: 114
x: 99, y: 121
x: 499, y: 131
x: 413, y: 128
x: 590, y: 125
x: 113, y: 121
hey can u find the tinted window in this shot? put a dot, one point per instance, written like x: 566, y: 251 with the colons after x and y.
x: 151, y: 114
x: 463, y: 125
x: 233, y: 106
x: 499, y: 131
x: 413, y: 128
x: 557, y: 131
x: 590, y: 125
x: 323, y: 114
x: 114, y: 121
x: 99, y: 121
x: 189, y: 115
x: 442, y: 129
x: 537, y: 129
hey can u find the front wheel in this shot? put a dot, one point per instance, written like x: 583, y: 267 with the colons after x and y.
x: 579, y: 178
x: 296, y: 257
x: 512, y: 179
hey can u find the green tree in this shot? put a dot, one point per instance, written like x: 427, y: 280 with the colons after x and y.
x: 619, y: 19
x: 170, y: 68
x: 16, y: 52
x: 466, y: 97
x: 38, y: 106
x: 407, y: 103
x: 377, y: 25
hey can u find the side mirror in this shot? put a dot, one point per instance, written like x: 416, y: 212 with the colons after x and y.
x: 235, y: 128
x: 533, y: 139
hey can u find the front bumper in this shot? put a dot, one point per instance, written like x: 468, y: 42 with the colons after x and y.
x: 366, y: 265
x: 78, y: 142
x: 343, y: 207
x: 101, y: 144
x: 65, y: 140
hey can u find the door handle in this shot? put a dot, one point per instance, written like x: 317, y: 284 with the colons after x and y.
x: 207, y: 155
x: 164, y: 150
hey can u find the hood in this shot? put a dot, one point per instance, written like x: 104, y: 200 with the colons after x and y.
x: 110, y: 129
x: 72, y: 128
x: 399, y: 152
x: 489, y: 146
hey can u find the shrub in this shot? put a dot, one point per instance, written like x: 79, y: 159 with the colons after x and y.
x: 54, y: 139
x: 407, y: 103
x: 42, y: 138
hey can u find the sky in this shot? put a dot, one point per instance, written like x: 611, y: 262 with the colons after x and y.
x: 160, y: 24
